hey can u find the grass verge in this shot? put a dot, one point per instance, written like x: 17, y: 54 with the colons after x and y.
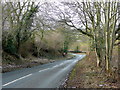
x: 86, y: 75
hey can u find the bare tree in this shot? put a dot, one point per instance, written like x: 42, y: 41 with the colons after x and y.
x: 19, y: 20
x: 99, y: 21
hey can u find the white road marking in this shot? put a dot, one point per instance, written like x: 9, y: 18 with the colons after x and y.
x: 58, y: 65
x: 16, y: 80
x: 44, y: 69
x: 55, y: 66
x: 52, y: 67
x: 62, y: 63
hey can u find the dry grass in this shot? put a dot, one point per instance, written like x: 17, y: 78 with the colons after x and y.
x: 87, y: 75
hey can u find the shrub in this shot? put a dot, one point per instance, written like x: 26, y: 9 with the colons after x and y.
x: 8, y: 44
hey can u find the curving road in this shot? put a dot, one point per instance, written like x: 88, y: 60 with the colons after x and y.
x: 50, y: 75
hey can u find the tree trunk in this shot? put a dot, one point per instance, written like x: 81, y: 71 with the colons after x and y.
x: 119, y: 62
x: 97, y: 57
x: 107, y: 54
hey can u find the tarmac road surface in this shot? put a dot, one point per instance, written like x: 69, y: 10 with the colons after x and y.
x: 50, y: 75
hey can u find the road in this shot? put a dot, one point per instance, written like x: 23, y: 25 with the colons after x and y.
x: 50, y: 75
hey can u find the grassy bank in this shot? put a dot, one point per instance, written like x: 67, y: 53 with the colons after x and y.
x: 86, y: 75
x: 11, y: 63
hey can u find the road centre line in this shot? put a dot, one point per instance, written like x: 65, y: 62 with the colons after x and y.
x: 44, y: 69
x: 16, y: 80
x: 52, y: 67
x: 29, y: 75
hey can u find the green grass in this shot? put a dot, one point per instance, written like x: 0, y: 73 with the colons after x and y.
x: 73, y: 72
x: 72, y: 75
